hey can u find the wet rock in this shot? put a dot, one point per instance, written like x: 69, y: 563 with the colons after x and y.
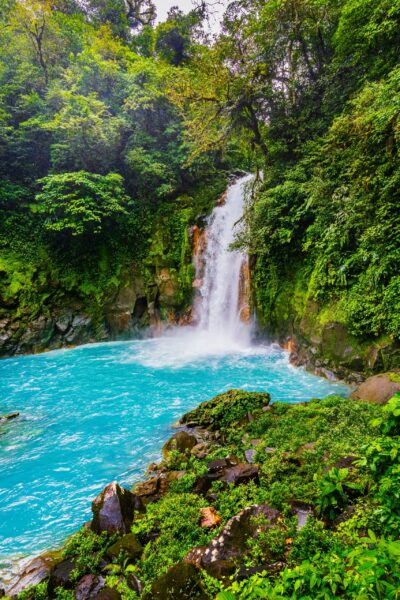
x: 129, y: 545
x: 209, y: 517
x: 34, y: 573
x: 181, y: 441
x: 233, y: 541
x: 242, y: 473
x: 9, y: 417
x: 113, y: 509
x: 180, y: 582
x: 63, y: 323
x: 60, y: 576
x: 379, y: 388
x: 36, y: 336
x: 89, y: 587
x: 81, y: 329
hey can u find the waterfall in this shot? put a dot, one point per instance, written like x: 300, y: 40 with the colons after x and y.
x: 221, y: 308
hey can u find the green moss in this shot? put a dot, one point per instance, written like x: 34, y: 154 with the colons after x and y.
x: 226, y: 409
x: 394, y: 377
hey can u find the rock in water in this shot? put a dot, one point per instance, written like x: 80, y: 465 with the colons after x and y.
x: 9, y: 417
x: 113, y: 509
x: 379, y: 388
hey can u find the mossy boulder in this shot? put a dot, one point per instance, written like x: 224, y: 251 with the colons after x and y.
x: 181, y: 442
x: 180, y: 582
x: 379, y: 388
x: 226, y: 409
x: 129, y: 545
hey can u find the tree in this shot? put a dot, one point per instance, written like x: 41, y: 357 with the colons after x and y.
x: 81, y: 204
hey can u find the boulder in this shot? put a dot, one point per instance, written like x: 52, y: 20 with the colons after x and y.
x: 225, y: 409
x: 181, y: 582
x: 379, y: 388
x: 232, y: 543
x: 34, y: 573
x: 113, y: 509
x: 127, y: 544
x: 242, y: 473
x: 60, y: 576
x: 181, y: 441
x: 89, y: 587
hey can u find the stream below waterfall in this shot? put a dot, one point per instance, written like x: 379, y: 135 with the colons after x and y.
x: 101, y: 412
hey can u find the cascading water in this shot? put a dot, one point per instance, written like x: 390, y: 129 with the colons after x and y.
x: 220, y: 272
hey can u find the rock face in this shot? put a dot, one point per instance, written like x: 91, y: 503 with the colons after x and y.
x: 180, y: 582
x: 113, y: 510
x: 379, y: 388
x: 221, y: 556
x: 326, y: 346
x: 34, y: 573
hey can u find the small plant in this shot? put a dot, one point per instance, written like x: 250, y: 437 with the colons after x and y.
x: 335, y: 491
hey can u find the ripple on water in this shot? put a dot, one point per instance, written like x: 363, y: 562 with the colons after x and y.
x: 101, y: 412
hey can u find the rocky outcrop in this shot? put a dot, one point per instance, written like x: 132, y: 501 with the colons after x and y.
x: 129, y: 545
x: 220, y: 558
x: 113, y: 510
x: 63, y: 328
x: 34, y: 572
x: 379, y: 388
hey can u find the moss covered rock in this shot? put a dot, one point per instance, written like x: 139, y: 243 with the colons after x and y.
x: 180, y: 582
x: 226, y: 409
x: 129, y: 545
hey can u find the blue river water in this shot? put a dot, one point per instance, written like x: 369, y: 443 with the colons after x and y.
x: 101, y: 412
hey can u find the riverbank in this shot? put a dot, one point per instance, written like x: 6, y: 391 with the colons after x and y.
x: 245, y: 487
